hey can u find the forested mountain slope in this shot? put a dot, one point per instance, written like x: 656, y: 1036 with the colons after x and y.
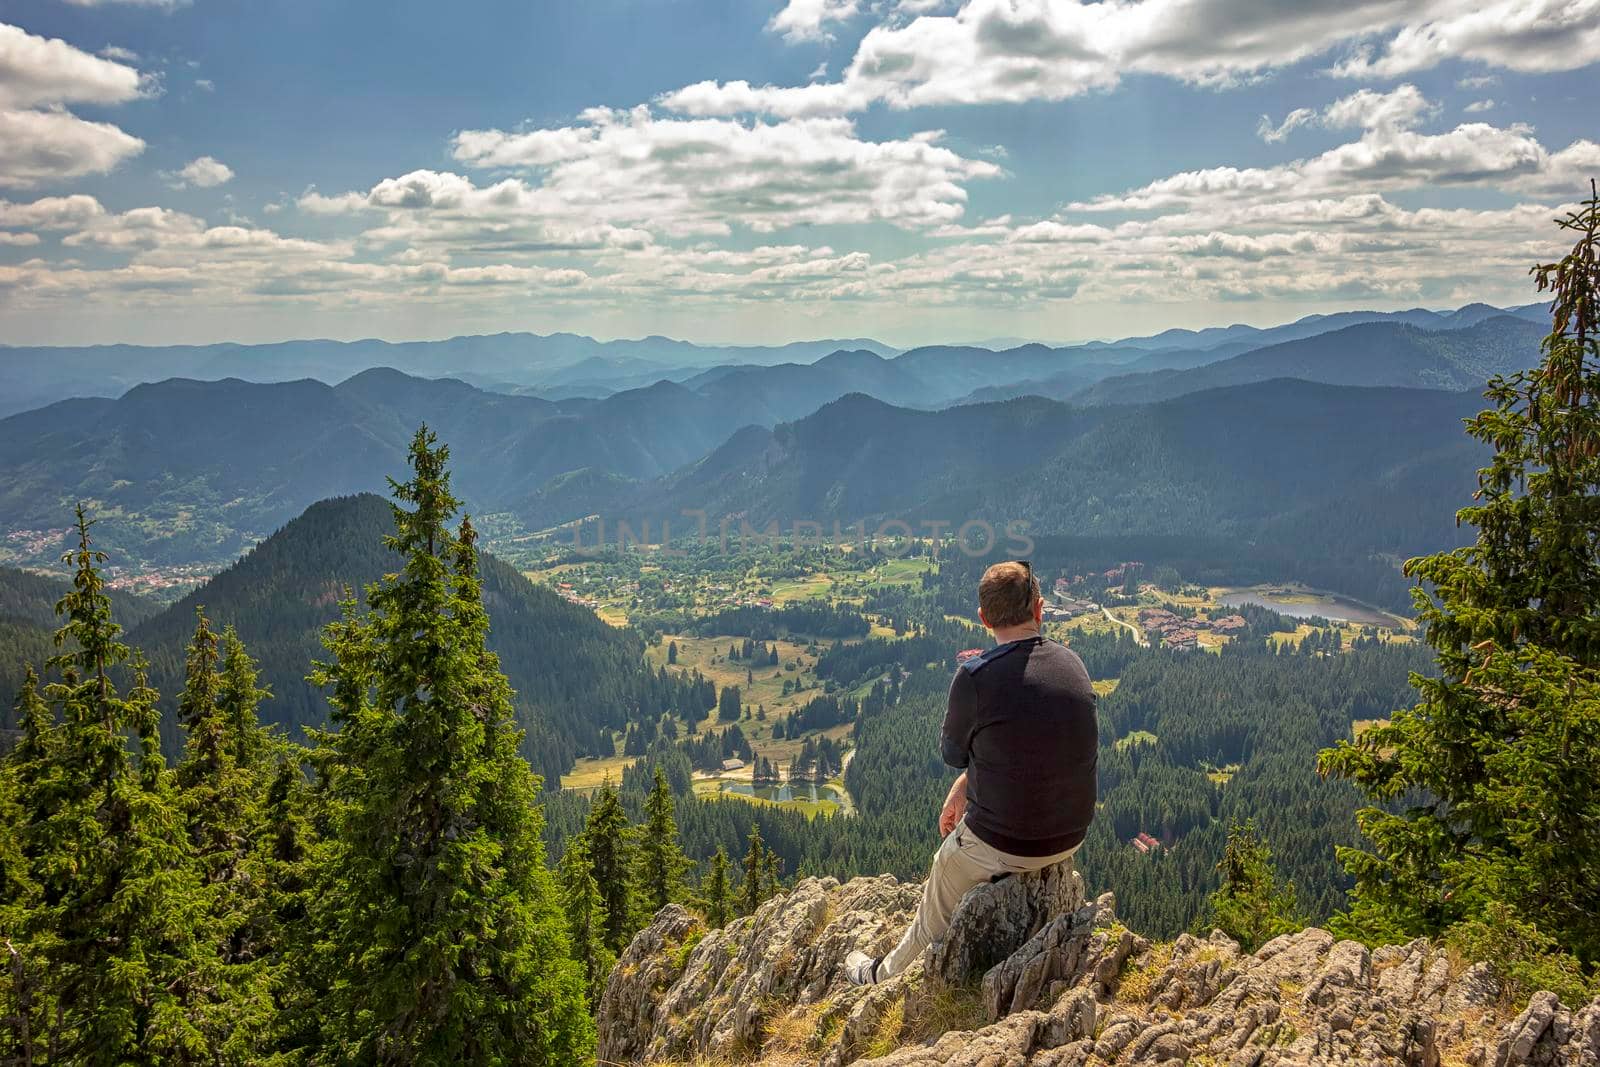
x: 1228, y: 461
x: 28, y: 620
x: 185, y: 470
x: 575, y: 676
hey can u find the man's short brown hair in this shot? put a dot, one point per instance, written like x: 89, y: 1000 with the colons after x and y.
x: 1007, y: 593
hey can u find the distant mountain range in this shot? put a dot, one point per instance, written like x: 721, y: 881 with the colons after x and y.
x: 1235, y: 462
x: 184, y: 471
x: 1371, y: 354
x: 31, y: 377
x: 562, y: 365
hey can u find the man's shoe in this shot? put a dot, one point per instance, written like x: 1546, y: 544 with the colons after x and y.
x: 860, y: 969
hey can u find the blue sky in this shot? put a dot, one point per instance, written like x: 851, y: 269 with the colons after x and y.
x: 767, y: 170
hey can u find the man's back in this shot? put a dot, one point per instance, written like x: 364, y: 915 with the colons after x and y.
x: 1022, y: 722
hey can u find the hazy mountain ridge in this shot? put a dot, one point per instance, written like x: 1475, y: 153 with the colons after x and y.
x: 1374, y: 353
x: 563, y: 365
x: 33, y: 376
x: 1340, y: 473
x: 269, y: 450
x: 183, y: 470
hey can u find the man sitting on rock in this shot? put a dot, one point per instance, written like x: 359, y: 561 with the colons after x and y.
x: 1021, y: 727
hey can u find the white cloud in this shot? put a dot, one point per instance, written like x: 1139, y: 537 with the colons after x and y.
x: 204, y: 172
x: 120, y: 54
x: 1384, y: 158
x: 41, y: 146
x: 1565, y: 175
x: 205, y: 85
x: 1399, y: 109
x: 39, y: 139
x: 1479, y: 106
x: 1016, y: 50
x: 1295, y: 119
x: 51, y: 213
x: 702, y: 176
x: 631, y: 210
x: 46, y: 71
x: 808, y: 20
x: 1523, y: 35
x: 447, y: 214
x: 1478, y: 81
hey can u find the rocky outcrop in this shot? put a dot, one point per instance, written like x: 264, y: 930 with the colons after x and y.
x: 1032, y: 973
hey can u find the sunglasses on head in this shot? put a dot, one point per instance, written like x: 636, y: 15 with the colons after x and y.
x: 1027, y: 568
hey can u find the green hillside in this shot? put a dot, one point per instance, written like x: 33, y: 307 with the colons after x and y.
x: 576, y: 678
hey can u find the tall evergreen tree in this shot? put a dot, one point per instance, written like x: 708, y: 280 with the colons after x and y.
x: 586, y: 918
x: 220, y: 802
x: 439, y: 921
x: 661, y: 859
x: 23, y: 786
x: 610, y: 846
x: 1486, y: 789
x: 239, y: 697
x: 219, y: 795
x: 1253, y: 905
x: 122, y: 924
x: 755, y: 867
x: 717, y: 894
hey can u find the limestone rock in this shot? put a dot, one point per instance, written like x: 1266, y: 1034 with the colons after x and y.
x: 1032, y: 974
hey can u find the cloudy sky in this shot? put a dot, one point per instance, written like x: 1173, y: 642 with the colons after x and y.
x: 767, y: 170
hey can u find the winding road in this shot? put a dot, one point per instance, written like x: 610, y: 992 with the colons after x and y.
x: 1137, y: 635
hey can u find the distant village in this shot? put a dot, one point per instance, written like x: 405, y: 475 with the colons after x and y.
x: 1175, y: 632
x: 722, y: 596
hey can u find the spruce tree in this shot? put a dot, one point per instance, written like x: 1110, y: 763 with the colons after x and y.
x: 755, y: 865
x: 218, y: 794
x: 122, y: 925
x: 586, y: 918
x: 221, y: 805
x: 436, y: 916
x: 1485, y: 792
x: 771, y: 873
x: 1253, y: 905
x: 717, y: 893
x: 23, y: 797
x: 610, y: 846
x: 661, y: 860
x: 239, y: 697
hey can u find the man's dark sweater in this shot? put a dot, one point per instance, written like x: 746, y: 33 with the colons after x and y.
x: 1021, y: 722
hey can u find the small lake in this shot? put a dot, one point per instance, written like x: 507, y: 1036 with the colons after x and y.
x: 1301, y: 605
x: 816, y: 794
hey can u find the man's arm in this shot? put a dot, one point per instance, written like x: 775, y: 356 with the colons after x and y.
x: 955, y: 745
x: 961, y: 712
x: 955, y: 805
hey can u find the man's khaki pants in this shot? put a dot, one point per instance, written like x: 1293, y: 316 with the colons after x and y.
x: 961, y: 863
